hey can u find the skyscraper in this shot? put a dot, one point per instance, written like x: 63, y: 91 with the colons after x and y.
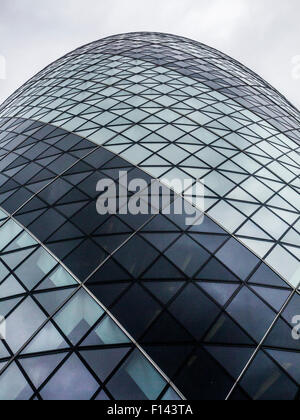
x: 145, y: 306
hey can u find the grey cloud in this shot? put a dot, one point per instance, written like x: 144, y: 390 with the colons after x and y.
x: 263, y: 34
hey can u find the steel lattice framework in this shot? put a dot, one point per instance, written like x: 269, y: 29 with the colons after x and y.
x: 145, y: 307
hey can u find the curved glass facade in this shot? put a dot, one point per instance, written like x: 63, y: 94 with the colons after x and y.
x: 144, y: 306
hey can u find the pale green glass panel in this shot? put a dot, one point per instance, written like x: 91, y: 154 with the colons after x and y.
x: 110, y: 333
x: 286, y: 265
x: 78, y: 315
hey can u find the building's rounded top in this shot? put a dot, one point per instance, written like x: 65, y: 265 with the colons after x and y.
x: 177, y: 108
x: 169, y: 49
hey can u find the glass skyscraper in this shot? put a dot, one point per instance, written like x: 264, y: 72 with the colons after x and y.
x: 135, y: 307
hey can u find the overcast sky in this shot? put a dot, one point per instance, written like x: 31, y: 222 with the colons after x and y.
x: 262, y: 34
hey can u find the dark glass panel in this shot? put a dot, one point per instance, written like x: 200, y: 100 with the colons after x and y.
x: 251, y: 313
x: 195, y: 311
x: 203, y: 378
x: 146, y: 309
x: 187, y: 255
x: 265, y: 381
x: 236, y: 257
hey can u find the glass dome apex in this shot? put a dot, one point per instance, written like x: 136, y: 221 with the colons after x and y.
x: 168, y: 43
x: 177, y: 108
